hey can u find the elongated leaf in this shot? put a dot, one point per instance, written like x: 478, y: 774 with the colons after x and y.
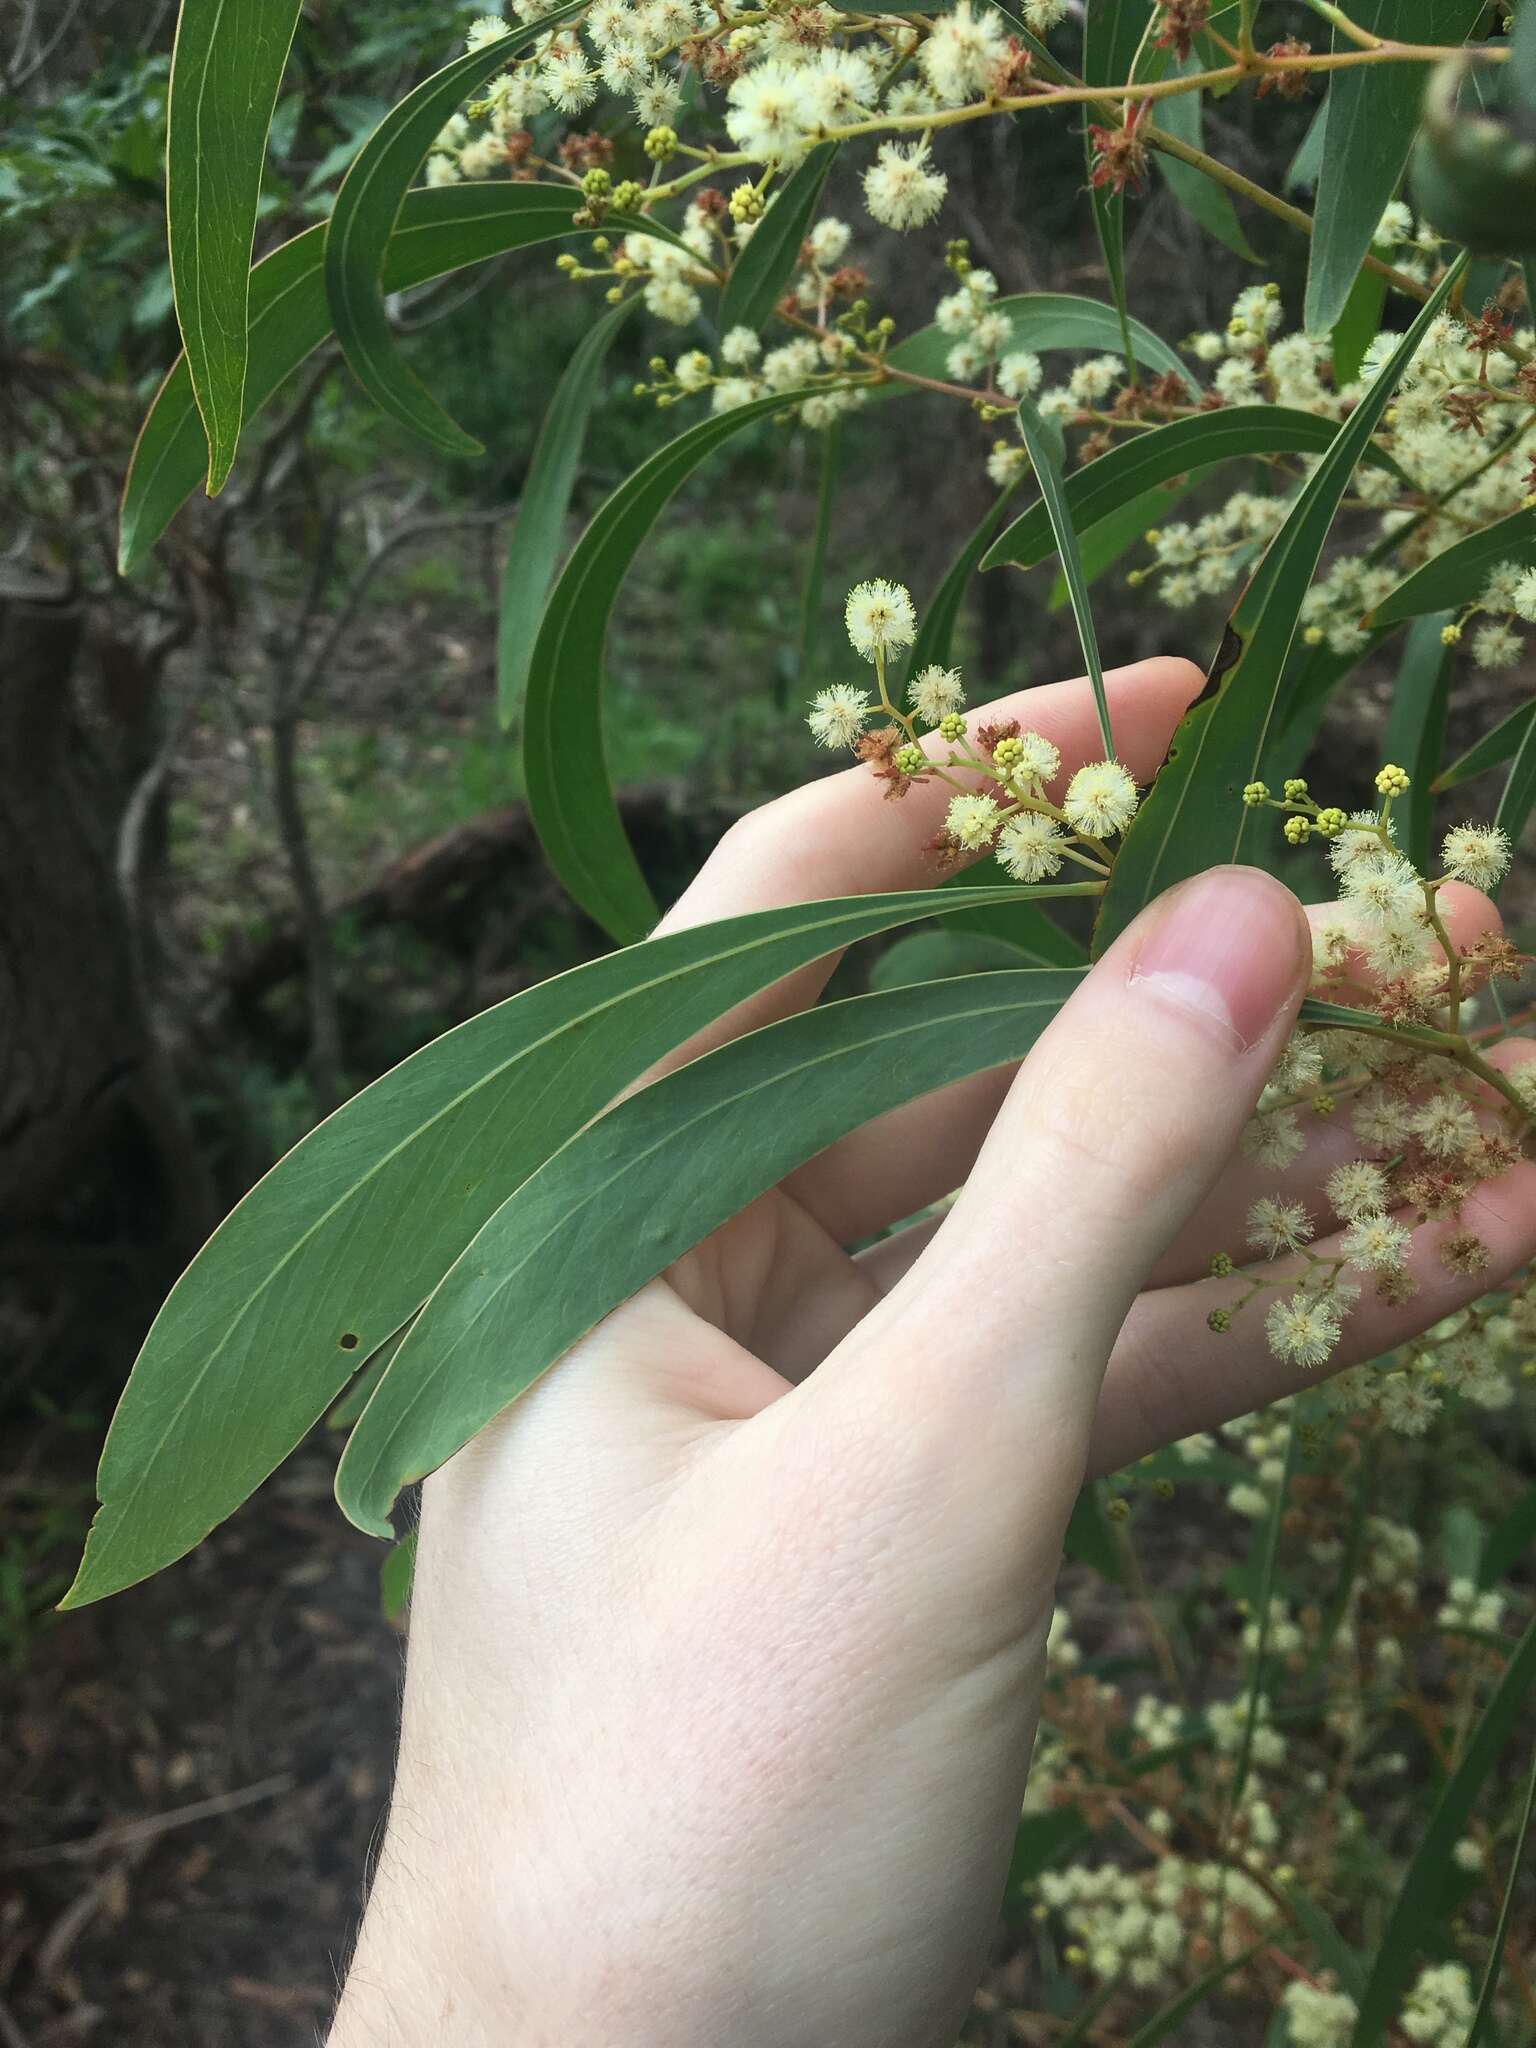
x: 343, y: 1240
x: 1419, y: 1907
x: 1116, y: 48
x: 1357, y: 326
x: 1101, y: 488
x: 1090, y: 1536
x: 439, y: 231
x: 937, y: 621
x: 226, y: 67
x: 816, y: 561
x: 1193, y: 816
x: 360, y: 1393
x: 1485, y: 1997
x: 540, y: 531
x: 646, y: 1182
x: 930, y: 956
x: 1102, y: 546
x: 1457, y: 575
x: 1201, y: 197
x: 569, y: 793
x: 1373, y: 116
x: 1162, y: 2024
x: 1053, y: 497
x: 1501, y: 744
x: 1520, y: 788
x: 363, y: 220
x: 763, y: 268
x: 1014, y: 919
x: 1416, y: 730
x: 395, y: 1576
x: 1042, y: 321
x: 1509, y: 1539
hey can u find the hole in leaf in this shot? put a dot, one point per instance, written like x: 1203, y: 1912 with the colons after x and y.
x: 349, y: 1340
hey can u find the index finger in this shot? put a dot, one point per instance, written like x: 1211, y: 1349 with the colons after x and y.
x: 838, y: 836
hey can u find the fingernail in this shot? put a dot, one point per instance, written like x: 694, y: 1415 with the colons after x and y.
x: 1228, y: 948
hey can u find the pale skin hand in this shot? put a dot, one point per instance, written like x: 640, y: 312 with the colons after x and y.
x: 727, y: 1639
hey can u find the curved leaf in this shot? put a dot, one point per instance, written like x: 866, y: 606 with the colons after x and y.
x: 1457, y: 574
x: 1193, y: 816
x: 226, y: 67
x: 569, y: 793
x: 438, y: 231
x: 1042, y: 321
x: 1519, y: 789
x: 1053, y: 499
x: 1485, y: 1997
x: 1501, y: 744
x: 762, y: 270
x: 363, y: 220
x: 650, y: 1179
x: 546, y: 497
x: 1416, y: 730
x: 346, y: 1237
x: 1373, y: 116
x: 816, y: 562
x: 1201, y: 197
x: 1420, y: 1902
x: 1183, y: 447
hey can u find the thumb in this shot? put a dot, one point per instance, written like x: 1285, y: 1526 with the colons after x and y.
x: 1115, y: 1127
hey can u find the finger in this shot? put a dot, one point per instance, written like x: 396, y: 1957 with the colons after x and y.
x: 914, y: 1155
x: 1171, y: 1375
x: 839, y: 836
x: 992, y: 1346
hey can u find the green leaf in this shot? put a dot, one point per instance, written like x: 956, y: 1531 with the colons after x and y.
x: 816, y: 562
x: 346, y: 1237
x: 1193, y: 816
x: 1485, y: 1997
x: 1419, y: 1909
x: 1509, y: 1539
x: 363, y: 221
x: 1373, y: 115
x: 1457, y: 574
x: 647, y: 1181
x: 1501, y: 744
x: 1090, y: 1536
x: 1416, y: 730
x: 1201, y: 197
x: 1103, y: 545
x: 938, y: 618
x: 1115, y: 49
x: 1357, y: 326
x: 546, y: 499
x: 1053, y: 497
x: 1008, y: 916
x: 569, y: 792
x: 931, y: 956
x: 1041, y: 321
x: 360, y: 1392
x: 439, y: 231
x: 1520, y: 789
x: 395, y: 1576
x: 1100, y: 489
x: 762, y: 270
x: 1162, y: 2024
x: 226, y: 67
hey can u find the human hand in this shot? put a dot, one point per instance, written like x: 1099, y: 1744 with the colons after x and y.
x: 727, y: 1639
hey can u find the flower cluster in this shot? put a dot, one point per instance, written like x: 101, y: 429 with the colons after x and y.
x: 1002, y: 774
x: 1431, y: 1120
